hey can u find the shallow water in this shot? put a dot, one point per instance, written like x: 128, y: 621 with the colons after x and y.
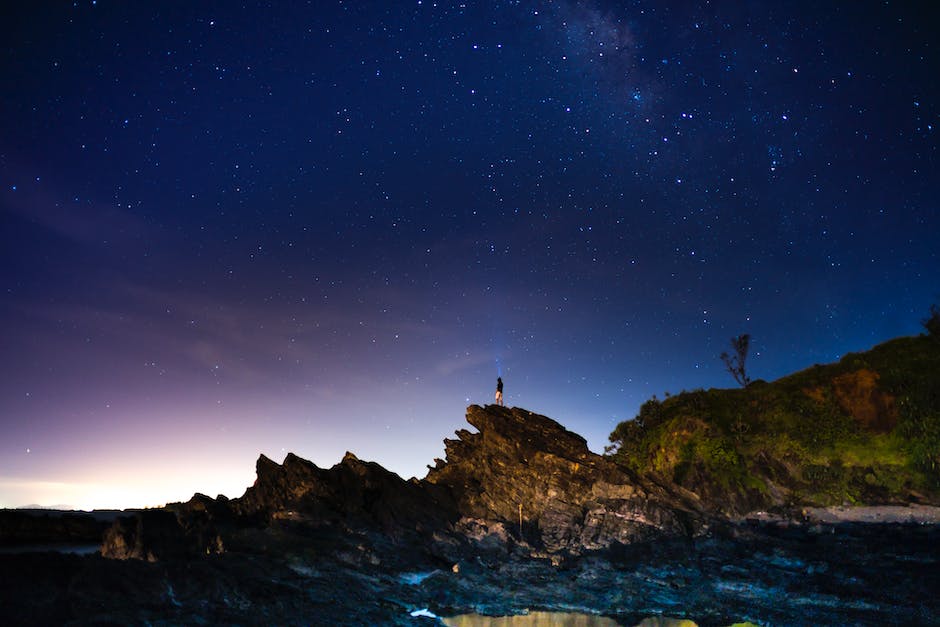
x: 556, y: 619
x: 532, y: 619
x: 50, y: 547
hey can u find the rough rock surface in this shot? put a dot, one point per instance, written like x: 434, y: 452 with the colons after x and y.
x: 775, y: 574
x: 540, y: 479
x: 360, y: 493
x: 522, y: 473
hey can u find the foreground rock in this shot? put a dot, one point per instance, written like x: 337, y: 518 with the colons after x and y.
x: 767, y: 574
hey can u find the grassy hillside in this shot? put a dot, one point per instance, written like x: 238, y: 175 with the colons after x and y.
x: 864, y: 430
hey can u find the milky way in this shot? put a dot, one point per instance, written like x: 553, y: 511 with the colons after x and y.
x: 233, y: 230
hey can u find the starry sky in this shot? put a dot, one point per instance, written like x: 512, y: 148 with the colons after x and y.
x: 229, y: 229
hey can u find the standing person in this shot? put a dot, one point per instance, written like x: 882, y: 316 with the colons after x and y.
x: 499, y: 391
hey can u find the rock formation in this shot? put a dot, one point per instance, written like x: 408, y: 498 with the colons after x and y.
x: 521, y: 473
x: 355, y: 492
x: 521, y: 466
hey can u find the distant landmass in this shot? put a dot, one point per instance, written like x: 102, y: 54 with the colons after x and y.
x: 807, y: 500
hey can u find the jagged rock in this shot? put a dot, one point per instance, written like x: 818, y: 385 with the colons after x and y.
x: 520, y: 472
x: 355, y: 492
x: 521, y: 465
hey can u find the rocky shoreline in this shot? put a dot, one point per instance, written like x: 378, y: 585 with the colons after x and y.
x: 759, y: 572
x: 520, y: 516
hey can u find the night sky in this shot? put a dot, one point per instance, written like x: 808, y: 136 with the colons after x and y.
x: 232, y: 230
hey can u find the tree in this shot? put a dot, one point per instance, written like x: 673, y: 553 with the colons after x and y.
x: 932, y: 322
x: 735, y: 363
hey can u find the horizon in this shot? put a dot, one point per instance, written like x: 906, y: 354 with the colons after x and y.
x: 230, y: 231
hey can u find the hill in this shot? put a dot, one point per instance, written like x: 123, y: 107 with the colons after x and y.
x: 862, y: 431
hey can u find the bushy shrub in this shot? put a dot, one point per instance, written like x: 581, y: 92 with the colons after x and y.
x: 921, y: 430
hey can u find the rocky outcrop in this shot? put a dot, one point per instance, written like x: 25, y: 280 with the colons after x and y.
x: 521, y: 473
x: 355, y: 492
x: 540, y: 479
x: 352, y: 495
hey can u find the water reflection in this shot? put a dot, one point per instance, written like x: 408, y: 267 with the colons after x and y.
x: 556, y: 619
x: 663, y: 621
x: 50, y: 547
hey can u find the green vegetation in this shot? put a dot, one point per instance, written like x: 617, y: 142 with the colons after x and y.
x: 863, y: 430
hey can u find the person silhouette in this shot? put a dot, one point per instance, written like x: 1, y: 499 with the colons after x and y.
x: 499, y: 391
